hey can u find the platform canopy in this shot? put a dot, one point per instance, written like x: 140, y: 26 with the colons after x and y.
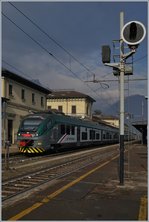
x: 142, y: 127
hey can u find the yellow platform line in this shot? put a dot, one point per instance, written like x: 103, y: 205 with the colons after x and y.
x: 56, y: 193
x: 143, y: 209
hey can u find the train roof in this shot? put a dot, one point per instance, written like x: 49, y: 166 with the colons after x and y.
x: 60, y: 118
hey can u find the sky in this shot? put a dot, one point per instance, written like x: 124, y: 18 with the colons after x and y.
x: 59, y: 44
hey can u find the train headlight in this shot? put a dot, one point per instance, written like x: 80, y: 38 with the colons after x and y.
x: 35, y: 134
x: 39, y: 143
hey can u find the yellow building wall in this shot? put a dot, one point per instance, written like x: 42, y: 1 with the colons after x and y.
x: 16, y: 98
x: 113, y: 122
x: 16, y: 108
x: 81, y: 106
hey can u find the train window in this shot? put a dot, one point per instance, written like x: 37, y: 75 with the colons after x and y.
x: 107, y: 135
x: 31, y: 123
x: 55, y: 131
x: 84, y: 136
x: 97, y: 136
x: 72, y: 130
x: 62, y: 129
x: 68, y: 129
x: 116, y: 136
x: 92, y: 134
x: 48, y: 124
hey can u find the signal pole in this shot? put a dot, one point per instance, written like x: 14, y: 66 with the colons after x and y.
x: 122, y: 73
x: 131, y: 33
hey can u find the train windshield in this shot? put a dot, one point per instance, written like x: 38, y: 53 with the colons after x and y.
x: 31, y: 124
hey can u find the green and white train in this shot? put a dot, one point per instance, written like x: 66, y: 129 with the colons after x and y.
x: 45, y: 131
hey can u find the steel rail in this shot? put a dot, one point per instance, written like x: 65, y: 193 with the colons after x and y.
x: 28, y: 182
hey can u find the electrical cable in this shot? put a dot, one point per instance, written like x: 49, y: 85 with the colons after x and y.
x: 49, y: 53
x: 18, y: 70
x: 103, y: 85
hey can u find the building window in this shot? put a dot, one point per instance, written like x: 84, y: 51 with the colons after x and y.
x: 42, y: 102
x: 73, y: 109
x: 10, y: 90
x: 60, y: 108
x: 23, y: 94
x: 33, y: 98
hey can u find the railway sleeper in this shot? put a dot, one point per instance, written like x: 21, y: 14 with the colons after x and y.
x: 13, y: 189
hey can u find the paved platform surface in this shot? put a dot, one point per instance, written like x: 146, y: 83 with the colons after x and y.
x: 91, y: 194
x: 13, y: 149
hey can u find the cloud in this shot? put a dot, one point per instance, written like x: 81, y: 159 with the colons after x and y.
x: 81, y: 28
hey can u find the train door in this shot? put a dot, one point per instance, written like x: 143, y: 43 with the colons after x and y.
x: 78, y: 136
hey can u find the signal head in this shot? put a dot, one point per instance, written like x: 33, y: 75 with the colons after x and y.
x: 133, y: 33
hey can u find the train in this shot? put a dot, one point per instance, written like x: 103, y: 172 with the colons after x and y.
x: 47, y: 131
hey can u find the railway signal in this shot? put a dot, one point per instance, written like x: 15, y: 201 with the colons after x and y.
x: 133, y: 33
x: 106, y: 54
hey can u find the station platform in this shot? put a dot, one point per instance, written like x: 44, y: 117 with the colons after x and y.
x: 93, y: 193
x: 13, y: 149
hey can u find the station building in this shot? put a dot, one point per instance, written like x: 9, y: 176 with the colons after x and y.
x: 19, y: 97
x: 112, y: 120
x: 71, y: 103
x: 141, y: 126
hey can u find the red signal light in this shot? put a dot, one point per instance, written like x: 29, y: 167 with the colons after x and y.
x: 26, y: 135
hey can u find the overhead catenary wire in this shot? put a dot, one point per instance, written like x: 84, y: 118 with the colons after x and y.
x: 103, y: 85
x: 70, y: 55
x: 20, y: 71
x: 41, y: 46
x: 49, y: 53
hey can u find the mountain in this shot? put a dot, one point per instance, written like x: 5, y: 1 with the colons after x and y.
x: 135, y: 105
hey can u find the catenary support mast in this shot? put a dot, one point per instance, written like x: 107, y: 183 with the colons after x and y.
x: 122, y: 73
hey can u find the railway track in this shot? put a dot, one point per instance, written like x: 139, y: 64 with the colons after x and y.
x: 19, y: 159
x: 22, y: 184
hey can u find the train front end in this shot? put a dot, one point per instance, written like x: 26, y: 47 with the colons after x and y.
x: 28, y: 136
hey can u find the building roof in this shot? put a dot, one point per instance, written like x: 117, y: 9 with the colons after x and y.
x: 24, y: 81
x: 65, y: 94
x: 105, y: 118
x: 109, y: 117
